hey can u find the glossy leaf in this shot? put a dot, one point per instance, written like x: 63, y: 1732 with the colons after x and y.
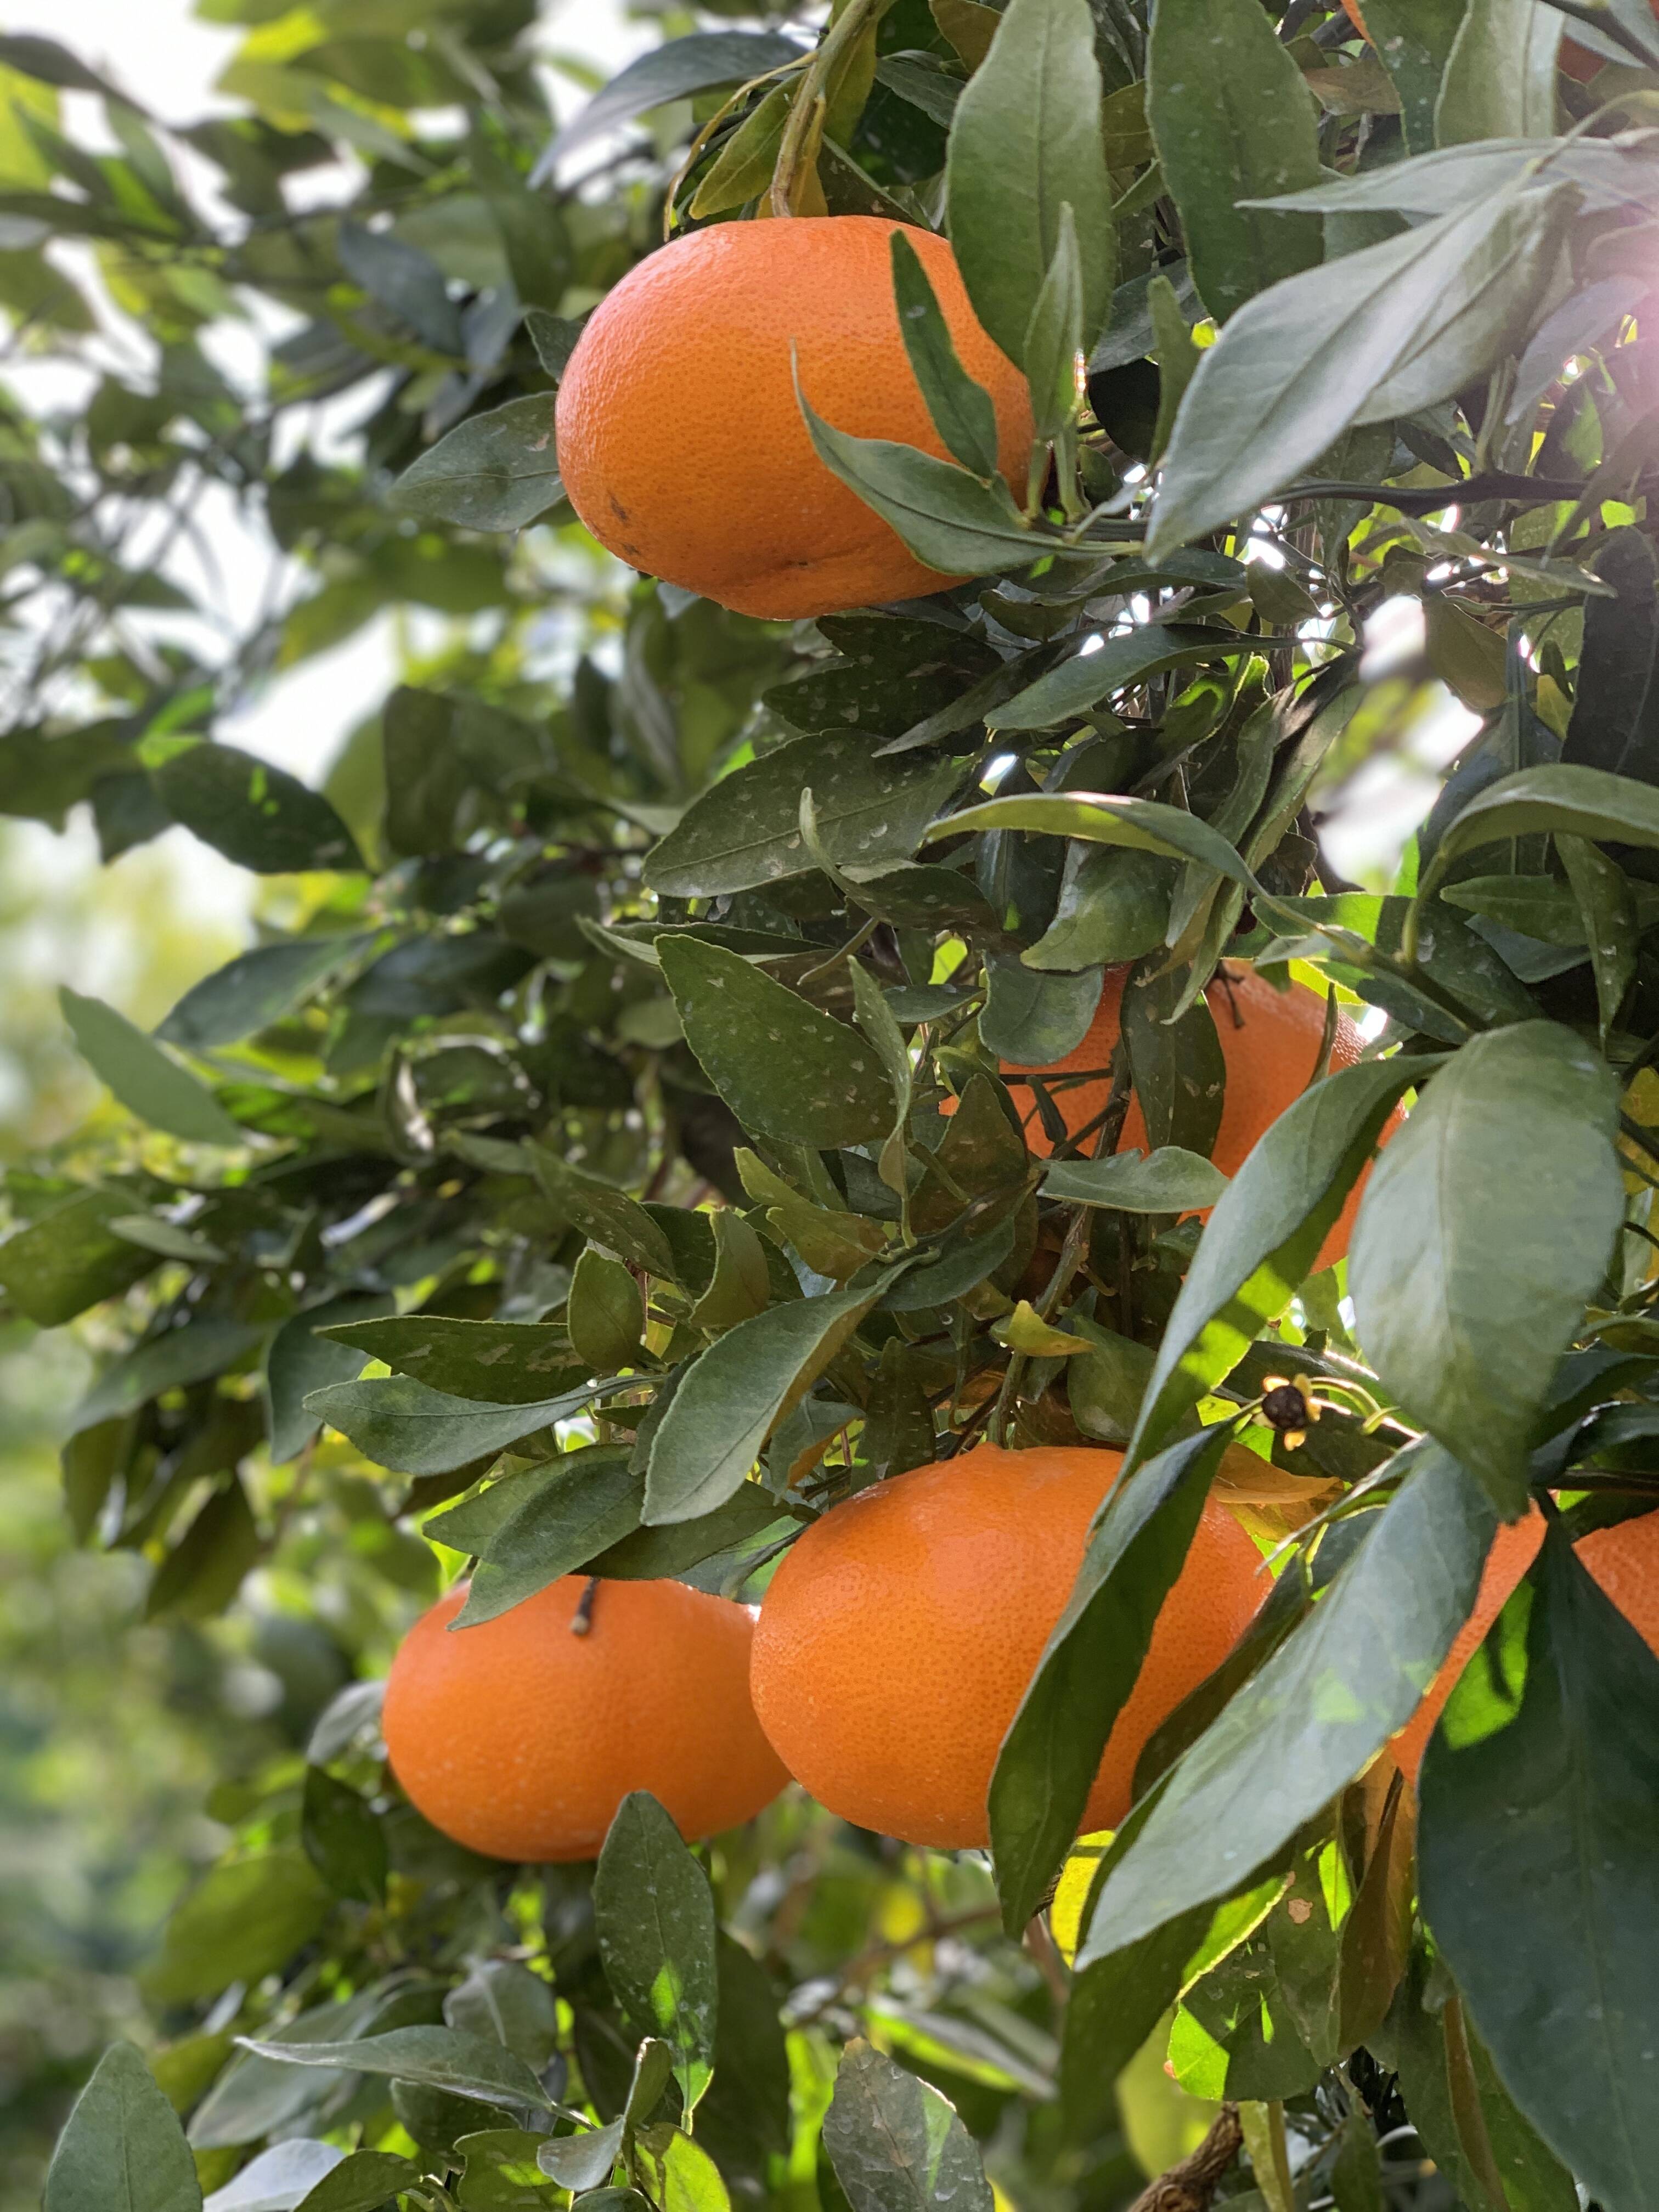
x: 258, y: 816
x: 464, y: 2065
x: 1233, y: 122
x: 494, y: 471
x: 402, y: 1424
x: 281, y: 2177
x: 1485, y: 1229
x: 1027, y: 138
x: 1539, y: 1789
x: 1344, y: 1679
x: 670, y: 71
x: 148, y: 1081
x: 570, y: 1512
x: 895, y: 2142
x: 1167, y: 1181
x: 362, y: 2182
x: 503, y: 1363
x: 654, y: 1915
x: 122, y: 2148
x: 961, y: 410
x: 256, y: 989
x: 734, y: 1396
x: 1083, y: 682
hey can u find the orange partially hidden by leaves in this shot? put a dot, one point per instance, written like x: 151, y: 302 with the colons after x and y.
x: 1625, y: 1561
x: 1270, y: 1043
x: 680, y: 440
x: 520, y: 1738
x: 897, y: 1639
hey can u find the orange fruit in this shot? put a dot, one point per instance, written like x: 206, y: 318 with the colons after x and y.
x: 1270, y: 1043
x: 681, y: 443
x: 520, y: 1739
x: 1625, y: 1561
x: 897, y: 1639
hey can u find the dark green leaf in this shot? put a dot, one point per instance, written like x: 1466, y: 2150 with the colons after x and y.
x: 1232, y: 121
x: 1615, y: 707
x: 744, y: 2121
x: 1349, y: 1674
x: 363, y: 2181
x: 70, y: 1258
x: 122, y: 2148
x: 786, y: 1070
x: 1167, y: 1181
x: 1026, y: 139
x: 301, y: 1359
x: 571, y: 1511
x: 605, y: 1314
x: 1539, y: 1789
x: 1114, y: 906
x: 260, y: 817
x: 402, y: 1424
x: 1052, y: 1750
x: 501, y: 1997
x: 342, y: 1838
x: 241, y: 1921
x: 680, y: 1546
x: 735, y: 1393
x: 605, y: 1214
x: 1500, y: 75
x: 1607, y: 918
x: 582, y: 2162
x: 204, y: 1570
x: 947, y: 517
x: 404, y: 280
x: 1032, y: 1020
x: 475, y: 2066
x: 1264, y: 1233
x: 168, y: 1361
x: 1176, y: 1062
x: 669, y: 72
x: 1079, y: 684
x: 1384, y: 331
x: 895, y: 2144
x: 963, y: 412
x: 1054, y: 338
x: 655, y: 1914
x: 494, y: 471
x: 146, y: 1080
x: 1485, y: 1229
x: 745, y: 831
x: 1585, y: 802
x: 1415, y: 39
x: 256, y: 989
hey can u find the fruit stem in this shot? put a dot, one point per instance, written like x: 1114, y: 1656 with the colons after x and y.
x: 799, y: 133
x: 581, y: 1621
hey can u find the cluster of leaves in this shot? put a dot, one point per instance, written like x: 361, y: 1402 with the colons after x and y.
x: 624, y: 1086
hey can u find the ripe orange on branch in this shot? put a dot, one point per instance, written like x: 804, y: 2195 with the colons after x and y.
x: 897, y: 1639
x: 519, y: 1738
x: 681, y: 443
x: 1624, y: 1559
x: 1270, y: 1043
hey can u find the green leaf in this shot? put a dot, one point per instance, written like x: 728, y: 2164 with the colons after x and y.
x: 1232, y: 121
x: 678, y: 1547
x: 1615, y: 704
x: 1264, y: 1233
x: 570, y: 1512
x: 475, y: 2066
x: 499, y: 471
x: 204, y: 1570
x: 1143, y: 825
x: 1347, y: 1676
x: 122, y: 2148
x: 1050, y: 1757
x: 281, y: 2177
x: 1485, y: 1229
x: 241, y: 1921
x: 70, y: 1258
x: 1500, y: 75
x: 301, y: 1359
x: 503, y: 2174
x: 1385, y: 332
x: 1055, y: 338
x: 1167, y: 1181
x: 963, y: 412
x: 1113, y: 907
x: 606, y: 1315
x: 1079, y: 684
x: 745, y: 831
x: 1607, y: 175
x: 260, y: 817
x: 402, y: 1424
x: 895, y: 2144
x: 654, y: 1915
x: 169, y: 1362
x: 1027, y: 138
x: 1585, y: 802
x: 342, y: 1838
x: 404, y: 280
x: 948, y: 519
x: 363, y: 2181
x: 1032, y: 1018
x: 669, y: 72
x: 1540, y: 1791
x: 1178, y: 356
x: 735, y: 1393
x: 582, y: 2162
x: 744, y: 2121
x: 603, y: 1212
x: 1175, y: 1061
x: 501, y: 1997
x: 786, y: 1071
x: 1414, y: 39
x: 256, y: 989
x: 1608, y: 921
x: 146, y: 1080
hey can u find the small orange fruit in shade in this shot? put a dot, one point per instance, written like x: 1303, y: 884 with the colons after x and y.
x: 519, y: 1738
x: 1577, y: 61
x: 681, y: 443
x: 1625, y: 1561
x: 897, y: 1639
x: 1270, y: 1043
